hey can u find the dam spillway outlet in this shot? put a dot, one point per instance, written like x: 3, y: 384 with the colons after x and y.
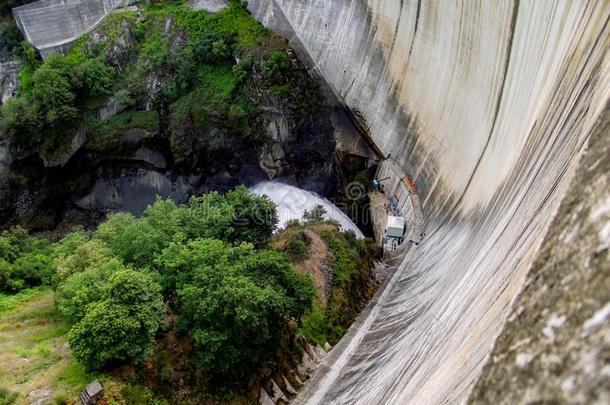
x: 489, y: 107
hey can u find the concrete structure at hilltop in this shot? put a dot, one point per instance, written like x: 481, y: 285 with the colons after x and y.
x: 488, y: 105
x: 53, y: 25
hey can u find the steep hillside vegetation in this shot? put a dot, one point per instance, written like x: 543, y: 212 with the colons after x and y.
x: 168, y: 99
x: 187, y: 304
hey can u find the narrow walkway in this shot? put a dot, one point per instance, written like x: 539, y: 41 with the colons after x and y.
x: 396, y: 184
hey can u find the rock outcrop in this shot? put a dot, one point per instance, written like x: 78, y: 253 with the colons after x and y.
x: 9, y: 79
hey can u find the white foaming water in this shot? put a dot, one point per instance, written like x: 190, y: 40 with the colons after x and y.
x: 292, y: 202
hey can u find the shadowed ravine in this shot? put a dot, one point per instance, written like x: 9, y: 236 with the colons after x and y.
x: 489, y: 106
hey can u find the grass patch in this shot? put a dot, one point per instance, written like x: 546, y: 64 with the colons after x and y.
x: 216, y: 83
x: 234, y: 21
x: 9, y: 303
x: 33, y: 349
x: 106, y: 135
x: 73, y: 375
x: 147, y: 120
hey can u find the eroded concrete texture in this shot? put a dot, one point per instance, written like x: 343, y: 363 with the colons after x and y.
x: 488, y: 106
x: 555, y: 347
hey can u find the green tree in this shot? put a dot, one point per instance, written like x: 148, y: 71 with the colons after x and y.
x: 243, y: 69
x: 24, y: 260
x: 21, y: 120
x: 68, y: 244
x: 255, y: 217
x: 13, y: 242
x: 52, y: 90
x: 270, y: 268
x: 207, y: 216
x: 90, y: 254
x: 163, y: 216
x: 204, y: 46
x: 139, y: 243
x: 97, y: 77
x: 34, y: 268
x: 220, y: 50
x: 81, y: 289
x: 122, y: 327
x: 236, y: 325
x: 178, y: 261
x: 275, y: 66
x: 114, y: 224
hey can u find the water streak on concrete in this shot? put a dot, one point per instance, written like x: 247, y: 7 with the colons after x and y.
x: 488, y: 106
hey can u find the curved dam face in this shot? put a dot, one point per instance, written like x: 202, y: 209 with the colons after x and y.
x: 488, y: 107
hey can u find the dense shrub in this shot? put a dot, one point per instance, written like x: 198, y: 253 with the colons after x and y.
x: 236, y: 325
x: 271, y: 268
x: 315, y: 215
x: 97, y: 77
x: 24, y: 261
x: 255, y: 217
x: 122, y: 326
x: 275, y: 66
x: 235, y: 217
x: 81, y: 289
x: 243, y: 69
x: 297, y: 246
x: 89, y: 255
x: 211, y: 48
x: 52, y: 90
x: 52, y: 99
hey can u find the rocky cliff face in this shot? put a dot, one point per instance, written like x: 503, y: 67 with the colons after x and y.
x: 488, y: 106
x: 132, y: 145
x: 9, y: 79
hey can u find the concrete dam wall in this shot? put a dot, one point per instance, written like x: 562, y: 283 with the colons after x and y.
x: 488, y: 106
x: 52, y: 25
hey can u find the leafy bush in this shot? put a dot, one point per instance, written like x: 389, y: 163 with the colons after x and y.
x: 315, y: 215
x: 121, y: 327
x: 243, y: 69
x: 235, y: 324
x: 210, y: 49
x: 24, y: 261
x: 314, y: 326
x: 139, y: 243
x: 234, y: 301
x: 81, y: 289
x: 178, y: 261
x: 271, y: 268
x: 90, y: 254
x: 221, y: 50
x: 238, y: 216
x: 275, y: 66
x: 297, y: 246
x: 255, y: 217
x: 52, y: 90
x: 97, y: 77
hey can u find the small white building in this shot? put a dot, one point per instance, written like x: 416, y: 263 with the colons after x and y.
x: 395, y: 227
